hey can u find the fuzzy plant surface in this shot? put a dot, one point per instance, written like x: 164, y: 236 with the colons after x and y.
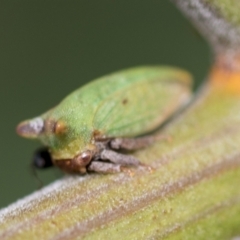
x: 190, y: 191
x: 217, y: 20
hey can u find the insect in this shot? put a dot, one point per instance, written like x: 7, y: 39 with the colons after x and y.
x: 93, y: 127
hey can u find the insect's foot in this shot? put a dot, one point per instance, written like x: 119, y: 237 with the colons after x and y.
x: 128, y: 171
x: 146, y: 167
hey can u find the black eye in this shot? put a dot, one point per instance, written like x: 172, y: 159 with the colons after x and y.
x: 42, y: 159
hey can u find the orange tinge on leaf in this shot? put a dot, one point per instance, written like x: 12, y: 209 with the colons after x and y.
x: 225, y: 73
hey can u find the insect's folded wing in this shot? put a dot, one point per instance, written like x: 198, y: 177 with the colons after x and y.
x: 142, y: 106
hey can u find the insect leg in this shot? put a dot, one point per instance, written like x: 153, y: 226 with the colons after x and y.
x: 119, y: 158
x: 136, y: 143
x: 104, y: 167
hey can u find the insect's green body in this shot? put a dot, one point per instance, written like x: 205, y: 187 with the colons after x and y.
x: 124, y: 104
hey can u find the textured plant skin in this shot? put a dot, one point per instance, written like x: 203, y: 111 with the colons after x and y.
x: 191, y: 190
x: 218, y: 21
x: 229, y: 9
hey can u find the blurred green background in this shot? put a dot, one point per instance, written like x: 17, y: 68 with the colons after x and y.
x: 49, y: 48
